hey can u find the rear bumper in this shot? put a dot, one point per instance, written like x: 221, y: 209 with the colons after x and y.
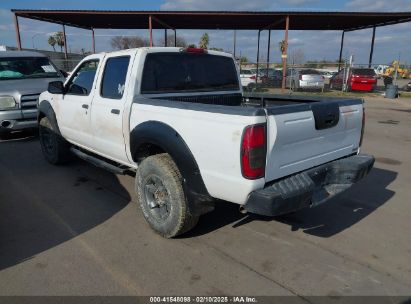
x: 358, y: 86
x: 311, y: 85
x: 309, y: 188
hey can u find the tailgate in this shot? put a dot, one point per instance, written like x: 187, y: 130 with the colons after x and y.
x: 302, y: 136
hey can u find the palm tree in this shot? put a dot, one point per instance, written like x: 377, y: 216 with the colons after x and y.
x: 204, y: 40
x: 52, y: 42
x: 59, y: 37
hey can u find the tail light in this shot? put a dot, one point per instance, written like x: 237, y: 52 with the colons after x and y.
x: 253, y: 151
x: 362, y: 127
x: 195, y: 50
x: 253, y: 77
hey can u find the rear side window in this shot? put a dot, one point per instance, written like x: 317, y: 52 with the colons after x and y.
x: 188, y: 72
x: 114, y: 77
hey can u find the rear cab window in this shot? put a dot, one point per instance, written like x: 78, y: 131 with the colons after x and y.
x: 364, y: 72
x: 310, y: 72
x: 181, y: 72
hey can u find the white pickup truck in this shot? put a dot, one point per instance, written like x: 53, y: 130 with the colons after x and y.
x: 179, y: 120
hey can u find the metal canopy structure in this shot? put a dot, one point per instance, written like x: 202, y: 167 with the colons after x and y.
x: 208, y: 20
x: 216, y: 20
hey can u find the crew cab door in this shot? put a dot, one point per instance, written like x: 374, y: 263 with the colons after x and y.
x: 108, y: 106
x: 73, y: 114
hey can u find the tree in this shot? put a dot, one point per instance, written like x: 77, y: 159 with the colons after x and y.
x: 243, y: 60
x: 204, y: 41
x: 121, y: 43
x: 181, y: 42
x: 217, y: 49
x: 52, y: 42
x: 297, y: 57
x: 59, y: 37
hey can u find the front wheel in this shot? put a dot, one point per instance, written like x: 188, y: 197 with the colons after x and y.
x: 161, y: 196
x: 55, y: 149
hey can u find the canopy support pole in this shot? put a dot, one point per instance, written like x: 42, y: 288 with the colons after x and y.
x: 372, y: 47
x: 258, y: 55
x: 284, y: 55
x: 16, y: 25
x: 268, y: 52
x: 235, y: 42
x: 165, y: 37
x: 65, y: 42
x: 175, y: 37
x: 94, y: 41
x: 341, y: 50
x: 150, y: 29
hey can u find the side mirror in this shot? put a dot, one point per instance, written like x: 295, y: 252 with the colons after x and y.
x: 64, y: 73
x: 56, y: 87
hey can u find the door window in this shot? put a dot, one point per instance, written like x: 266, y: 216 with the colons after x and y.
x: 82, y: 81
x: 114, y: 77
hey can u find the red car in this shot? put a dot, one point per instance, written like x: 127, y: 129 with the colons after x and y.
x: 359, y: 79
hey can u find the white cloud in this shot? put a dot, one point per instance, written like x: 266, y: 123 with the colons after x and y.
x: 236, y: 5
x: 379, y: 5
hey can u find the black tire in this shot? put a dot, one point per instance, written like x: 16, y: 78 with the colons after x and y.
x: 4, y: 134
x: 161, y: 196
x: 55, y: 148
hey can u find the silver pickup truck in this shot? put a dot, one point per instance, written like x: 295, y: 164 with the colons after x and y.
x: 23, y: 76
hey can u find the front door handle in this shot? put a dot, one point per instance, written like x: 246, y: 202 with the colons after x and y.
x: 85, y: 106
x: 115, y: 111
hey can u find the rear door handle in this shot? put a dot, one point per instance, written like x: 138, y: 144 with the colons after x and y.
x: 85, y: 106
x: 115, y: 111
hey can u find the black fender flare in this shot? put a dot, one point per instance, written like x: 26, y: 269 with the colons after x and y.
x: 45, y: 109
x: 169, y: 140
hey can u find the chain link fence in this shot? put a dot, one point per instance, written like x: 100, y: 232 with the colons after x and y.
x: 318, y: 77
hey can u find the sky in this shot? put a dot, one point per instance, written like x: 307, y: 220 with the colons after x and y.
x: 391, y: 42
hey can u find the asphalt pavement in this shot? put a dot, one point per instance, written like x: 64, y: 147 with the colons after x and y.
x: 76, y: 230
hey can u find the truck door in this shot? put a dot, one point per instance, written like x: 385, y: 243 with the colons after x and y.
x: 108, y: 107
x: 73, y: 114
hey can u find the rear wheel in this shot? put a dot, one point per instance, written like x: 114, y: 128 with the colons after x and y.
x: 161, y: 196
x: 55, y: 148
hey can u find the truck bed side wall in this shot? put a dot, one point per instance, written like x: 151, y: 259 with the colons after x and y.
x: 213, y: 138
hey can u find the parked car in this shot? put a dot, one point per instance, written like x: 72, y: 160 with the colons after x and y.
x: 177, y: 118
x: 272, y: 78
x: 298, y: 79
x: 358, y: 79
x: 248, y: 78
x: 329, y: 74
x: 23, y: 76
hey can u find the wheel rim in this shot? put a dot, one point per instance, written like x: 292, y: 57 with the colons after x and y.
x: 46, y: 137
x: 157, y: 197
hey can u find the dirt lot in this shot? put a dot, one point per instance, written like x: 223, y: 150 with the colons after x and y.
x: 75, y: 230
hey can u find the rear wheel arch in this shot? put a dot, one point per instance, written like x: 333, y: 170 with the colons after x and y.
x: 154, y: 137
